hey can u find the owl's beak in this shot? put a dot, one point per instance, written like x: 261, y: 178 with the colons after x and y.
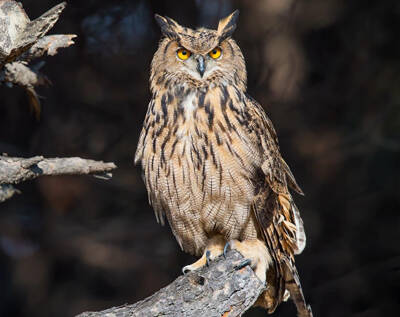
x: 200, y: 65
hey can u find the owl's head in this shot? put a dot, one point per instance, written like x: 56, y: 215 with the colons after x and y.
x: 198, y: 57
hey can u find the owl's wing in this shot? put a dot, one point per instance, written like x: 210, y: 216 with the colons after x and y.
x: 151, y: 182
x: 277, y: 214
x: 279, y: 177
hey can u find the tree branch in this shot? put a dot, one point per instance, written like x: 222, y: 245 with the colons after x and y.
x: 14, y: 170
x: 218, y: 290
x: 22, y: 40
x: 48, y: 44
x: 20, y: 33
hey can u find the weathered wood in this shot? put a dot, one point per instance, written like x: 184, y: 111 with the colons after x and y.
x: 14, y: 170
x: 47, y: 45
x: 221, y: 289
x: 20, y: 74
x: 22, y: 40
x: 18, y: 32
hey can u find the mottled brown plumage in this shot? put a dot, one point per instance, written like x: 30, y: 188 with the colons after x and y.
x: 211, y: 160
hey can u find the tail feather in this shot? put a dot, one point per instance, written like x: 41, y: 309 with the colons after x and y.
x: 300, y: 233
x: 292, y: 283
x: 292, y: 224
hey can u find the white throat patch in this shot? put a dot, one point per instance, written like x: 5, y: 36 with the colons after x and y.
x: 189, y: 106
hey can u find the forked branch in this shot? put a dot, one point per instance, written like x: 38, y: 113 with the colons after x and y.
x: 23, y: 40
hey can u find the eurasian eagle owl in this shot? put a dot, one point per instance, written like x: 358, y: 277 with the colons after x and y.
x: 211, y: 160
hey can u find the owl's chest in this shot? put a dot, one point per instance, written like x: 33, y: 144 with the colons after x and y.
x: 199, y: 135
x: 199, y: 162
x: 203, y: 145
x: 204, y: 130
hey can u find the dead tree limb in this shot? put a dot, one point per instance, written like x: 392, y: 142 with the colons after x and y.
x: 14, y: 170
x: 22, y: 40
x: 221, y: 289
x: 48, y: 45
x: 19, y: 33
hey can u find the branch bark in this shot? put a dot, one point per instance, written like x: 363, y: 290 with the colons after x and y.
x: 14, y: 170
x: 19, y: 33
x: 48, y: 45
x: 221, y: 289
x: 22, y: 40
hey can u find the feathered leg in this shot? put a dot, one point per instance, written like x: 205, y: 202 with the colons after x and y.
x: 255, y: 253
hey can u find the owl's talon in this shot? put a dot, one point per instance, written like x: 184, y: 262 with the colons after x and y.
x: 242, y: 264
x: 208, y: 257
x: 186, y: 270
x: 227, y: 248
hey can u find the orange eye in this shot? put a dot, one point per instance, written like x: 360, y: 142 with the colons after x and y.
x: 183, y: 54
x: 215, y: 53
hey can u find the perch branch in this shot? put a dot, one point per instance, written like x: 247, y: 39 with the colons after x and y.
x: 221, y: 289
x: 14, y: 170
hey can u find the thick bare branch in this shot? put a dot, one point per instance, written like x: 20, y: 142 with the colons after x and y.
x: 14, y: 170
x: 19, y: 33
x: 221, y: 289
x: 37, y: 28
x: 22, y: 40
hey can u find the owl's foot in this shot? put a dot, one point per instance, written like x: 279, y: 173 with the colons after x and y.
x: 255, y: 253
x: 214, y: 248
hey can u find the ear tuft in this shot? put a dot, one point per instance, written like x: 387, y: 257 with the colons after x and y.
x: 161, y: 21
x: 227, y: 25
x: 169, y: 27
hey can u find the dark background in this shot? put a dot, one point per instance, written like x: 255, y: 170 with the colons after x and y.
x: 328, y: 74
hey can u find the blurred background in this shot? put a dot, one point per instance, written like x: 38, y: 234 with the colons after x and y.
x: 328, y: 74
